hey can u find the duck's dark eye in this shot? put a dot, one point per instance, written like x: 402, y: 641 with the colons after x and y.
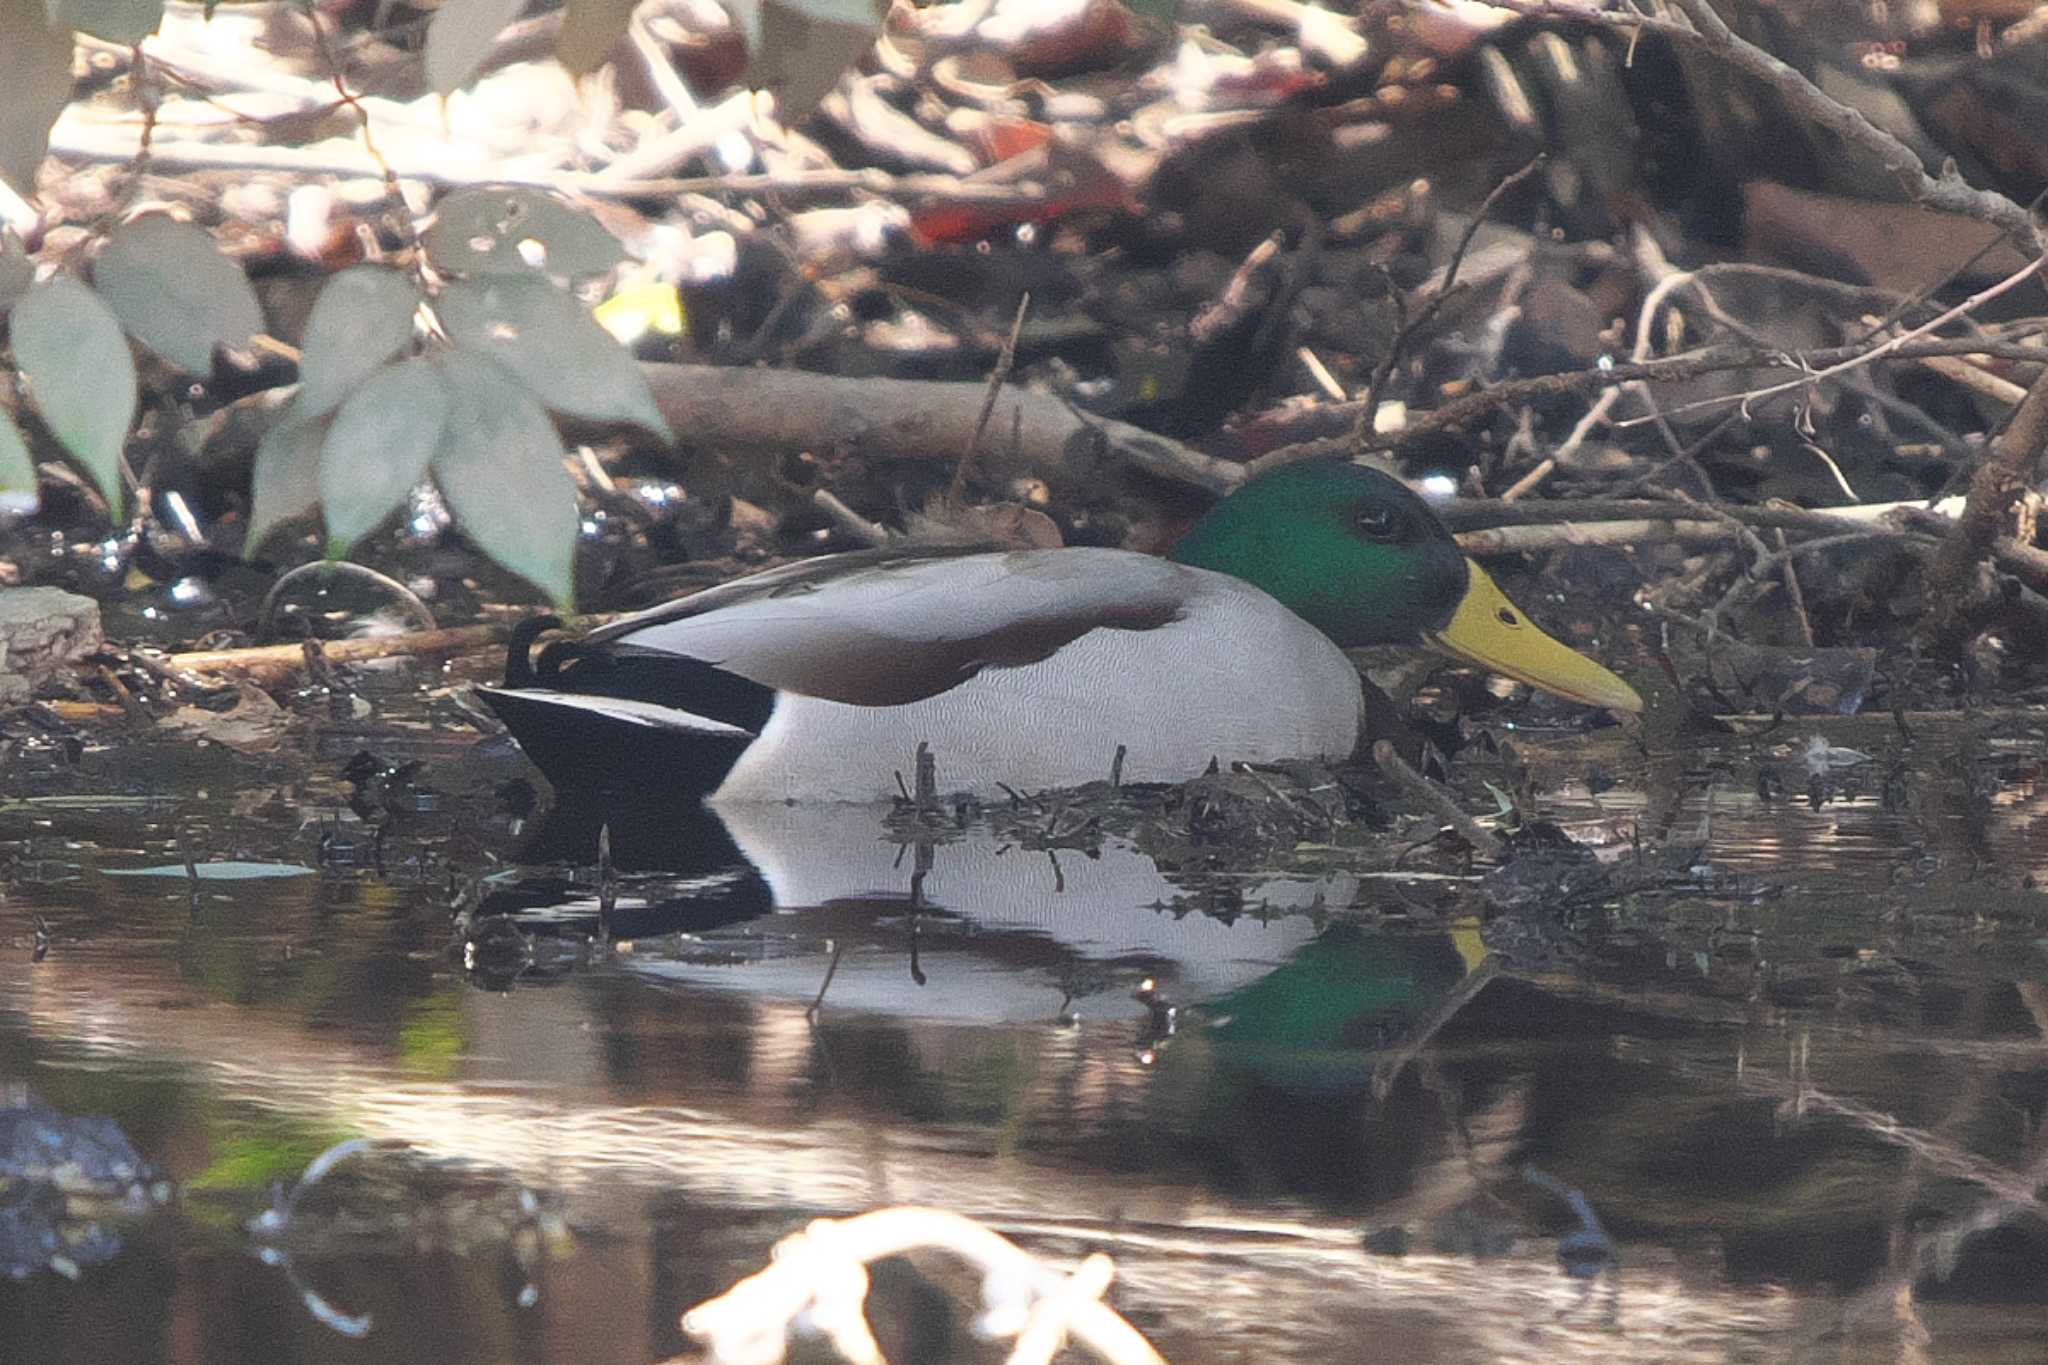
x: 1377, y: 521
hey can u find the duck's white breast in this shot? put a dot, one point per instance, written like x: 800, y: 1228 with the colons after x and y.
x: 1235, y: 677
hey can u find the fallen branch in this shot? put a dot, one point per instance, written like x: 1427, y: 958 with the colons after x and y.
x: 278, y: 665
x: 918, y: 420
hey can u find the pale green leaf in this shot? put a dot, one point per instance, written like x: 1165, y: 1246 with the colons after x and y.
x: 590, y: 30
x: 287, y: 478
x: 746, y: 16
x: 117, y: 21
x: 493, y: 231
x: 459, y: 38
x: 500, y: 467
x: 37, y: 86
x: 17, y: 466
x: 175, y: 292
x: 213, y: 872
x: 363, y: 317
x: 378, y: 447
x: 81, y: 375
x: 551, y: 342
x: 800, y: 48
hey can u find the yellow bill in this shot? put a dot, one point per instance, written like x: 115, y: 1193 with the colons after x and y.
x: 1493, y: 632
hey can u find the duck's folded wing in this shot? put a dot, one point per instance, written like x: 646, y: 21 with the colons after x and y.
x: 883, y: 631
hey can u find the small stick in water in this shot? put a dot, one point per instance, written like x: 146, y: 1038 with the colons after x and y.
x: 1394, y: 766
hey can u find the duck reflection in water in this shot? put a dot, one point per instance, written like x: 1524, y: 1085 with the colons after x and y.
x: 1301, y: 1009
x: 1284, y: 980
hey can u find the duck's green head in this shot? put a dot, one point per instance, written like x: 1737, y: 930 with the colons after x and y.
x: 1356, y: 554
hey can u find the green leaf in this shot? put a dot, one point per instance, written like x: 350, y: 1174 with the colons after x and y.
x: 491, y: 232
x: 175, y: 292
x: 287, y: 480
x: 590, y: 30
x: 17, y: 466
x: 363, y: 317
x: 552, y: 343
x: 117, y: 21
x: 500, y: 467
x: 37, y: 87
x: 460, y: 37
x: 81, y: 374
x: 378, y: 447
x: 213, y: 872
x: 800, y: 48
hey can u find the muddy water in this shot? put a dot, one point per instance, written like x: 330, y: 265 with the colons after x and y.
x: 1799, y: 1089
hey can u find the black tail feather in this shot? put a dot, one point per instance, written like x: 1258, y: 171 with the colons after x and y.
x: 592, y: 753
x: 674, y: 751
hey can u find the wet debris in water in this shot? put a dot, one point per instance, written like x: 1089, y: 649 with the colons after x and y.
x: 381, y: 789
x: 1586, y: 1251
x: 1161, y: 1024
x: 388, y: 1199
x: 66, y: 1185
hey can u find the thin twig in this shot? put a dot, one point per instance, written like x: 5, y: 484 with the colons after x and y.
x: 1794, y: 591
x: 1415, y: 784
x: 956, y: 494
x: 1472, y: 514
x: 1376, y: 387
x: 1870, y: 354
x: 1388, y: 1070
x: 846, y: 519
x: 1461, y: 412
x: 1976, y: 379
x: 329, y: 568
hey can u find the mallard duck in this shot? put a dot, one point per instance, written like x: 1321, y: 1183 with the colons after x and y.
x: 816, y: 681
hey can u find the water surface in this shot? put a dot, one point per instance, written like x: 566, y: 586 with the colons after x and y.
x: 1802, y: 1094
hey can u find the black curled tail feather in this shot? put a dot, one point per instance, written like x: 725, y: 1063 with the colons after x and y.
x: 519, y: 649
x: 615, y: 668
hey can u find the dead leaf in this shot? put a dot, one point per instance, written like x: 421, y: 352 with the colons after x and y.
x: 255, y: 724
